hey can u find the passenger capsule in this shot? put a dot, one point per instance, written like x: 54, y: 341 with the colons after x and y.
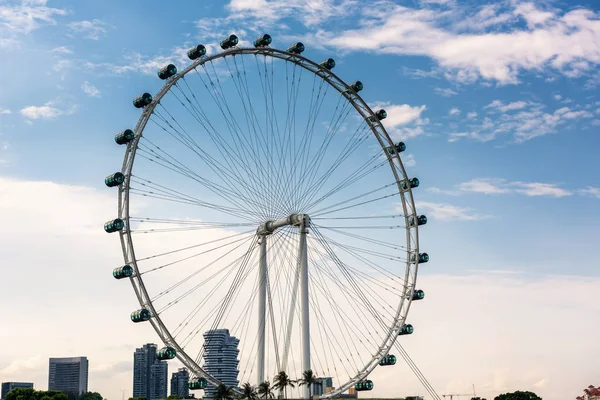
x: 166, y: 353
x: 140, y: 315
x: 421, y: 220
x: 197, y: 384
x: 114, y: 179
x: 390, y: 359
x: 167, y: 72
x: 356, y: 86
x: 406, y: 329
x: 126, y: 271
x: 418, y: 295
x: 263, y: 41
x: 397, y: 148
x: 423, y: 258
x: 328, y: 64
x: 364, y: 385
x: 229, y: 41
x: 124, y: 137
x: 296, y: 48
x: 413, y: 183
x: 196, y: 52
x: 381, y: 114
x: 114, y: 225
x: 142, y: 100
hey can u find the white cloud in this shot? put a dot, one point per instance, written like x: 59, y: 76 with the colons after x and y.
x: 90, y: 89
x: 47, y: 111
x: 454, y: 111
x: 5, y: 111
x: 403, y: 121
x: 26, y: 16
x: 499, y: 105
x: 557, y: 97
x: 409, y: 160
x: 62, y: 50
x: 590, y: 191
x: 472, y: 115
x: 502, y: 186
x: 93, y: 29
x: 564, y: 43
x: 446, y: 92
x: 448, y: 212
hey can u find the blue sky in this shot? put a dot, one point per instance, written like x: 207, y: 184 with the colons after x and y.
x: 497, y: 102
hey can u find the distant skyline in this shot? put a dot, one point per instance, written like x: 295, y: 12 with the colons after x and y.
x: 497, y: 102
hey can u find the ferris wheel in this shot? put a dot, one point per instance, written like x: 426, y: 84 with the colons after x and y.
x: 260, y: 197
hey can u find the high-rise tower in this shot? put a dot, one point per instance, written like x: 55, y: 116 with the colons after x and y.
x: 220, y: 358
x: 179, y: 383
x: 150, y: 375
x: 68, y: 375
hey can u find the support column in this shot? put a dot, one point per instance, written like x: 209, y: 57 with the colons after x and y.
x: 262, y: 309
x: 304, y: 300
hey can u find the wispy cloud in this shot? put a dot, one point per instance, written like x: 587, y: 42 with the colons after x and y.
x: 5, y: 111
x: 62, y: 50
x: 502, y: 186
x: 446, y: 92
x: 409, y: 160
x: 454, y: 111
x: 23, y: 17
x: 448, y: 212
x: 49, y: 110
x: 403, y: 121
x: 90, y: 89
x: 590, y: 191
x: 93, y: 29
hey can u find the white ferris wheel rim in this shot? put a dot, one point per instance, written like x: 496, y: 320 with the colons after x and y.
x: 395, y: 162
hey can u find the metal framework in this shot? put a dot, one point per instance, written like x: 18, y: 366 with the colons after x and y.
x: 300, y: 220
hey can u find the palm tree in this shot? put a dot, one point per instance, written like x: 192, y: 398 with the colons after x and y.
x: 308, y: 379
x: 282, y: 381
x: 264, y: 389
x: 248, y: 392
x: 224, y: 393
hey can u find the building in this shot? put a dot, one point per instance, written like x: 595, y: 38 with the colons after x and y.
x: 179, y: 383
x: 150, y: 375
x: 8, y: 386
x: 68, y: 375
x: 220, y: 358
x: 321, y: 385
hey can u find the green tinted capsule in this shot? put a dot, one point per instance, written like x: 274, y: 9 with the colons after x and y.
x: 142, y: 100
x: 126, y: 271
x: 421, y: 220
x: 413, y: 183
x: 263, y: 41
x: 166, y: 353
x: 140, y: 315
x: 167, y: 72
x: 418, y: 295
x: 328, y: 64
x: 296, y: 48
x: 114, y: 179
x: 229, y: 42
x: 357, y: 86
x: 114, y: 225
x: 198, y: 384
x: 124, y: 137
x: 196, y: 52
x: 381, y: 114
x: 407, y: 329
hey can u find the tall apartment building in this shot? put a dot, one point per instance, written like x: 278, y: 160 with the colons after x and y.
x: 150, y: 375
x: 220, y: 359
x: 179, y: 383
x: 8, y: 386
x: 68, y: 375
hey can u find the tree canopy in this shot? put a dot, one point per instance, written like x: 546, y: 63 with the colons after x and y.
x: 518, y: 395
x: 32, y: 394
x: 91, y: 396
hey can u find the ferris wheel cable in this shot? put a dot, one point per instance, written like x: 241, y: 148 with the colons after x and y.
x: 313, y: 185
x: 384, y: 304
x: 138, y: 260
x: 177, y: 194
x: 321, y: 211
x: 223, y: 193
x: 417, y: 371
x: 365, y: 238
x: 193, y: 256
x: 337, y: 311
x: 197, y: 286
x: 215, y: 166
x: 356, y: 205
x: 343, y: 268
x: 182, y: 229
x: 362, y: 217
x: 355, y: 176
x: 187, y: 140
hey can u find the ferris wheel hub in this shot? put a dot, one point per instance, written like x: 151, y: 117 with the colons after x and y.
x: 300, y: 220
